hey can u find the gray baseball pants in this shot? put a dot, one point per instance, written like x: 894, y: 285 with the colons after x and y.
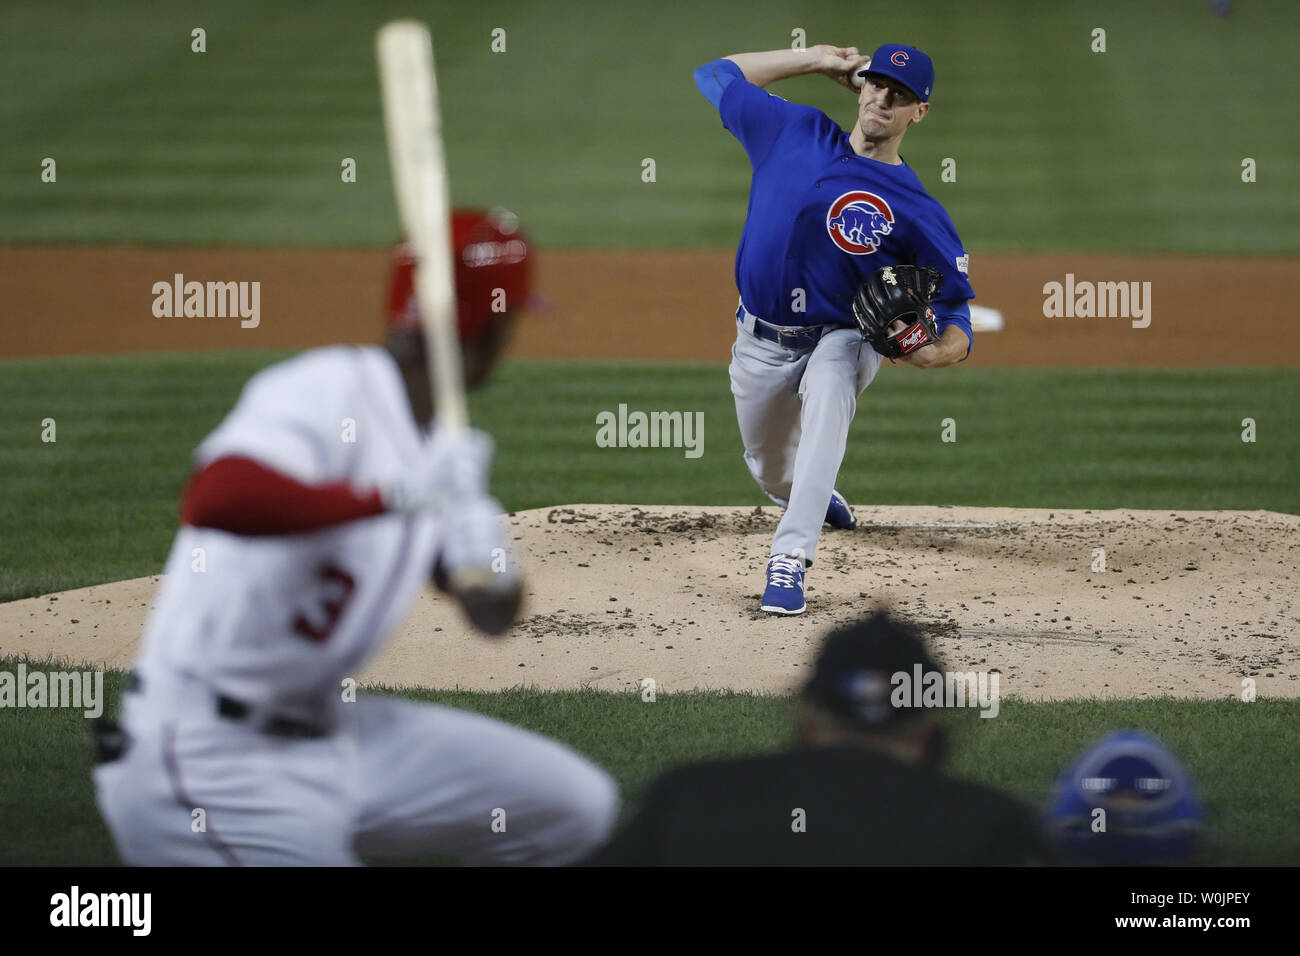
x: 794, y: 408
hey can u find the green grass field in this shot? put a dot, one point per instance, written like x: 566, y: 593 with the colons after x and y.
x: 1251, y: 797
x: 1138, y: 148
x: 99, y: 504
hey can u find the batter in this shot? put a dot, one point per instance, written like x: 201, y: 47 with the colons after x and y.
x: 317, y: 511
x: 826, y: 210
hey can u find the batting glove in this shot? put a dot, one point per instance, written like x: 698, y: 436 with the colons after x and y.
x: 451, y: 469
x: 477, y: 564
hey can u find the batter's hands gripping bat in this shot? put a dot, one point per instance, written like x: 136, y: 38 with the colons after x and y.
x: 410, y: 92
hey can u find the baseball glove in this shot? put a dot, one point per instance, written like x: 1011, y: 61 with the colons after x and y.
x: 898, y: 293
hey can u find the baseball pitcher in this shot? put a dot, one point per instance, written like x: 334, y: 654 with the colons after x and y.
x: 316, y: 512
x: 844, y: 259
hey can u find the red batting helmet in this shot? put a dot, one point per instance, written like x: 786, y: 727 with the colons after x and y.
x: 493, y: 269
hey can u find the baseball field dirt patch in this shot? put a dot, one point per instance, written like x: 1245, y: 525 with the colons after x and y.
x: 630, y: 305
x: 1189, y: 604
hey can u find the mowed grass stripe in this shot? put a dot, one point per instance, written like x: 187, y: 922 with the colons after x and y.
x: 1053, y: 150
x: 100, y: 503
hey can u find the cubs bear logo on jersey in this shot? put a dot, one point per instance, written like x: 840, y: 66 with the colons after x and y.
x: 858, y: 222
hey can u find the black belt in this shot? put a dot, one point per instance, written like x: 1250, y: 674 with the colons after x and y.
x: 232, y: 709
x: 804, y: 337
x: 275, y: 726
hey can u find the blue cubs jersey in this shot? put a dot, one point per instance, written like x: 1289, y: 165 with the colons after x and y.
x: 822, y: 218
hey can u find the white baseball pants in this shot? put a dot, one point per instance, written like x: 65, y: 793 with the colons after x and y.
x: 401, y: 779
x: 794, y: 409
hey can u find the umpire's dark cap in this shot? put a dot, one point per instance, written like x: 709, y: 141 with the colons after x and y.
x: 852, y: 675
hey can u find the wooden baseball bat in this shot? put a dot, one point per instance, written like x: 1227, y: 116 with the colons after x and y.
x: 410, y: 92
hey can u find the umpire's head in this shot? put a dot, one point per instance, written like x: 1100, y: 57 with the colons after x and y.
x: 848, y: 700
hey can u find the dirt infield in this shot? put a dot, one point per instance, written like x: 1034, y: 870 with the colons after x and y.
x: 1189, y: 605
x: 660, y: 305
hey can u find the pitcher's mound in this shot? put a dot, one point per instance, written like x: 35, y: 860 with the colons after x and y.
x: 1188, y: 604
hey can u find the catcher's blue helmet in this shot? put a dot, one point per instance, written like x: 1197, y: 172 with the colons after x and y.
x: 1151, y: 815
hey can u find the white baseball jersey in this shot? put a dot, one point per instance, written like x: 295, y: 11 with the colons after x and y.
x: 278, y: 621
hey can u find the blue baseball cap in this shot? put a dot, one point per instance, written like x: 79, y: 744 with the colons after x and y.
x: 1151, y: 817
x: 907, y: 65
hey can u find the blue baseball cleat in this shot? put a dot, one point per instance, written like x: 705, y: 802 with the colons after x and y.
x: 784, y: 593
x: 839, y: 514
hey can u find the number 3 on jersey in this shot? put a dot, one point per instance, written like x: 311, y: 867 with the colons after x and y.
x: 337, y: 587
